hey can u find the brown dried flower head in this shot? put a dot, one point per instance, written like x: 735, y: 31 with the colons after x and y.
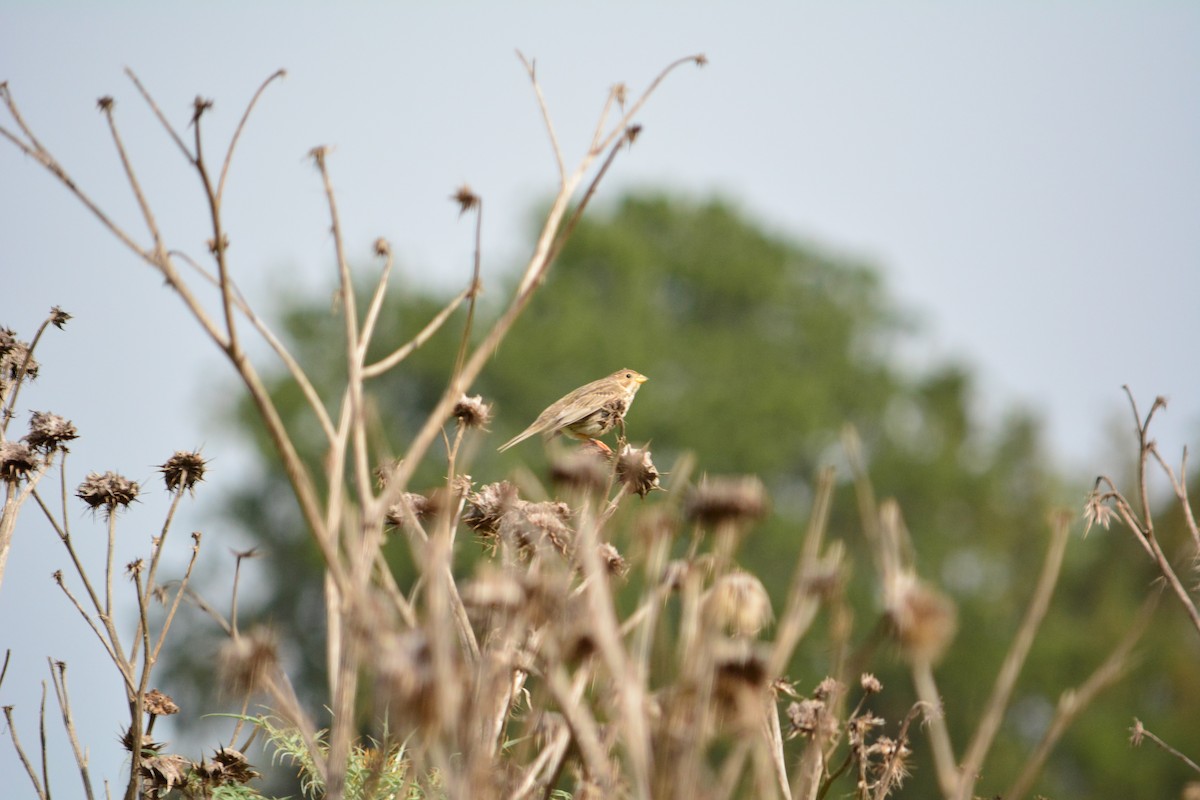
x: 159, y: 704
x: 614, y: 563
x: 183, y: 471
x: 466, y: 199
x: 49, y: 431
x: 740, y: 680
x: 247, y: 660
x: 161, y: 774
x: 17, y: 461
x: 1097, y: 511
x: 405, y: 680
x: 530, y: 526
x: 418, y: 505
x: 636, y: 471
x: 472, y: 412
x: 58, y: 317
x: 734, y: 500
x: 870, y: 684
x: 16, y: 360
x: 738, y: 604
x: 109, y: 491
x: 488, y: 506
x: 924, y: 622
x: 228, y: 767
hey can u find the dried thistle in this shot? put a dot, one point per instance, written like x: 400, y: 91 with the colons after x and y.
x: 726, y: 500
x: 924, y: 621
x: 614, y: 563
x: 466, y: 198
x: 1097, y: 511
x: 110, y: 490
x: 159, y: 704
x: 183, y: 471
x: 488, y: 506
x: 870, y: 684
x: 529, y: 525
x: 473, y: 412
x: 636, y: 471
x: 248, y: 660
x: 58, y: 317
x: 16, y: 360
x: 161, y: 774
x: 49, y: 431
x: 738, y: 604
x: 17, y: 461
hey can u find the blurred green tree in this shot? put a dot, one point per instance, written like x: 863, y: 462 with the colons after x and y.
x: 760, y: 349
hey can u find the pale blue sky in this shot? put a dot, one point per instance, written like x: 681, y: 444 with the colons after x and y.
x: 1025, y: 175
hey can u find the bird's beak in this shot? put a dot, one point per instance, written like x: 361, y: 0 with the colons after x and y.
x: 641, y: 379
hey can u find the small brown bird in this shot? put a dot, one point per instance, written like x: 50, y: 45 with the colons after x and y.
x: 591, y: 410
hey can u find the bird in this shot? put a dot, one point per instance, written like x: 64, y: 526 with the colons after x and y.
x: 592, y: 410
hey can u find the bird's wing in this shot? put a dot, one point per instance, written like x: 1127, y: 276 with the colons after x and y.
x: 560, y: 414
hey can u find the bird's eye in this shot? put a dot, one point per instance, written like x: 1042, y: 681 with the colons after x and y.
x: 628, y: 374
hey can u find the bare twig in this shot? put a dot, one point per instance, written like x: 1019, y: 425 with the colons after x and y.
x: 1006, y: 680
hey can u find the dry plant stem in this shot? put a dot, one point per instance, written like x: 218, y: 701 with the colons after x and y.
x: 1166, y: 748
x: 1072, y: 702
x: 774, y: 739
x: 404, y: 351
x: 1179, y: 484
x: 1018, y: 651
x: 622, y: 671
x: 536, y: 269
x: 25, y: 762
x: 7, y: 415
x: 294, y: 369
x: 939, y: 734
x: 474, y: 289
x: 802, y: 604
x: 159, y: 259
x: 58, y: 675
x: 584, y: 729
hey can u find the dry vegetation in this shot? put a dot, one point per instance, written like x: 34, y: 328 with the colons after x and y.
x: 525, y: 679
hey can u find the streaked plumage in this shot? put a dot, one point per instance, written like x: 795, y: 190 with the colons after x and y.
x: 591, y: 410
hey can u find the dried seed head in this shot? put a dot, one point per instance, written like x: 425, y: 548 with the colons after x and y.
x: 246, y: 661
x: 924, y: 622
x: 49, y: 431
x: 472, y: 412
x: 829, y: 690
x: 466, y: 199
x: 413, y: 503
x: 146, y: 744
x: 726, y: 500
x: 613, y: 561
x: 110, y: 491
x: 738, y: 604
x: 583, y: 469
x: 806, y: 718
x: 870, y: 684
x: 58, y: 317
x: 17, y: 461
x: 16, y: 360
x: 183, y: 471
x: 1097, y: 512
x: 531, y: 525
x: 105, y: 103
x: 382, y: 247
x: 488, y: 506
x: 740, y: 681
x: 227, y: 767
x: 159, y: 704
x: 161, y: 774
x: 636, y: 471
